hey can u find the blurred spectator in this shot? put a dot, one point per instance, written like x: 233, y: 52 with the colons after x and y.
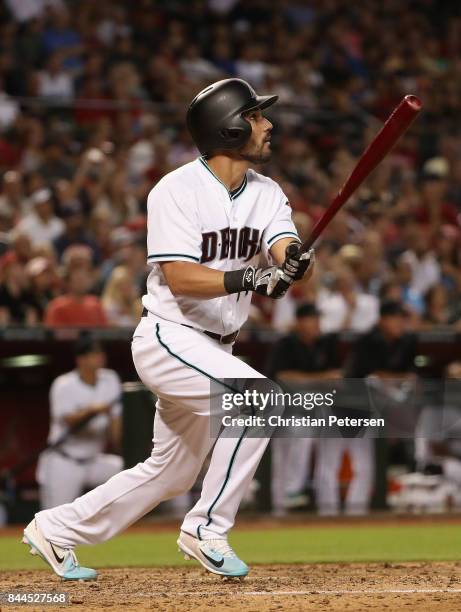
x: 12, y: 196
x: 53, y: 82
x: 17, y: 306
x: 303, y: 356
x: 21, y: 245
x: 55, y: 164
x: 41, y: 225
x: 435, y: 209
x: 43, y: 283
x: 344, y: 307
x: 121, y: 300
x: 76, y: 308
x: 9, y: 109
x: 123, y: 77
x: 74, y: 231
x: 61, y: 35
x: 425, y: 270
x: 196, y: 68
x: 407, y: 294
x: 437, y: 310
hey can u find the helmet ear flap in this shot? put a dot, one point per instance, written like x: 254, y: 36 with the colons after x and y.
x: 232, y: 135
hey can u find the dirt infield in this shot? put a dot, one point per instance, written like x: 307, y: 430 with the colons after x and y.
x: 322, y: 587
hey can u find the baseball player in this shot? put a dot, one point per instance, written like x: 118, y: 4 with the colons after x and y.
x: 217, y: 231
x: 86, y: 401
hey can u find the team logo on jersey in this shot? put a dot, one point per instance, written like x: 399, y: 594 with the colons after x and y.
x: 231, y: 243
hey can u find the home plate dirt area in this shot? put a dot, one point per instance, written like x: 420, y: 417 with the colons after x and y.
x: 421, y: 587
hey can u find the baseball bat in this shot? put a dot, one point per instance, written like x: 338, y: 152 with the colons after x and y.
x: 397, y: 123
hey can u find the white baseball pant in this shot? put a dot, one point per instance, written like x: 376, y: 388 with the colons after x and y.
x: 329, y: 456
x: 176, y: 363
x: 61, y: 479
x: 290, y: 468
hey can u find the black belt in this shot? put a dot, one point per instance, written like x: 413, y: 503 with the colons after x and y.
x: 228, y: 339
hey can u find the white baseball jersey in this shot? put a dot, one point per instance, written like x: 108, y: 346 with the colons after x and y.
x: 68, y: 395
x: 193, y: 217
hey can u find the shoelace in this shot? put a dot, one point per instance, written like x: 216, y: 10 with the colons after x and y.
x: 222, y: 547
x: 72, y: 555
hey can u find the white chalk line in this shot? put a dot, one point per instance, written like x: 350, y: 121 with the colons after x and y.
x: 302, y: 593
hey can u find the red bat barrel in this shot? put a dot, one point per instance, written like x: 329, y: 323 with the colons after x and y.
x: 397, y: 123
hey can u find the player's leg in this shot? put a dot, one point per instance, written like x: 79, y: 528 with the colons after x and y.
x: 299, y: 463
x: 181, y: 442
x: 174, y: 366
x: 61, y: 480
x: 101, y: 468
x: 290, y: 472
x: 280, y: 453
x: 233, y: 460
x: 328, y: 462
x: 362, y: 455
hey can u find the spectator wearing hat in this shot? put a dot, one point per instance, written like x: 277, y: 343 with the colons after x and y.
x: 74, y: 231
x: 302, y: 357
x: 41, y: 225
x: 17, y: 306
x: 77, y: 307
x: 435, y: 209
x: 386, y: 352
x: 85, y: 403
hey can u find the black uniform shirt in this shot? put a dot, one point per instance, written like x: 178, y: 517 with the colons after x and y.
x: 373, y: 352
x: 290, y: 353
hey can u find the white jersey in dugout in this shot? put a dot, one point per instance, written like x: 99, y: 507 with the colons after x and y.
x: 70, y: 394
x: 193, y: 217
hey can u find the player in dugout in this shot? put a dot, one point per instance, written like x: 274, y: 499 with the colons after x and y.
x: 302, y: 357
x: 386, y: 354
x: 85, y: 404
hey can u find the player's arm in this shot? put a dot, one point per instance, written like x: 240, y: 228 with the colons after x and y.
x: 198, y: 281
x: 278, y: 249
x: 75, y: 418
x: 193, y: 279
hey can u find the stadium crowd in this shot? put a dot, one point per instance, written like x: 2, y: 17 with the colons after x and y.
x: 92, y: 100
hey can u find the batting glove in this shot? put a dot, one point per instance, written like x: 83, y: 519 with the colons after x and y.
x: 297, y: 263
x: 272, y: 282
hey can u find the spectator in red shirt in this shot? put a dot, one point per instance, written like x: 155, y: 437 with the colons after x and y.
x: 76, y: 308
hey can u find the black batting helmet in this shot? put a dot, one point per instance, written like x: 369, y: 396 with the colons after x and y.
x: 214, y: 117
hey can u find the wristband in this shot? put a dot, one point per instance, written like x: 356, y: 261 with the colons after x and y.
x: 240, y: 280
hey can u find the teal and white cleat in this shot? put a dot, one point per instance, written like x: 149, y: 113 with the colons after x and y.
x: 62, y: 560
x: 216, y: 555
